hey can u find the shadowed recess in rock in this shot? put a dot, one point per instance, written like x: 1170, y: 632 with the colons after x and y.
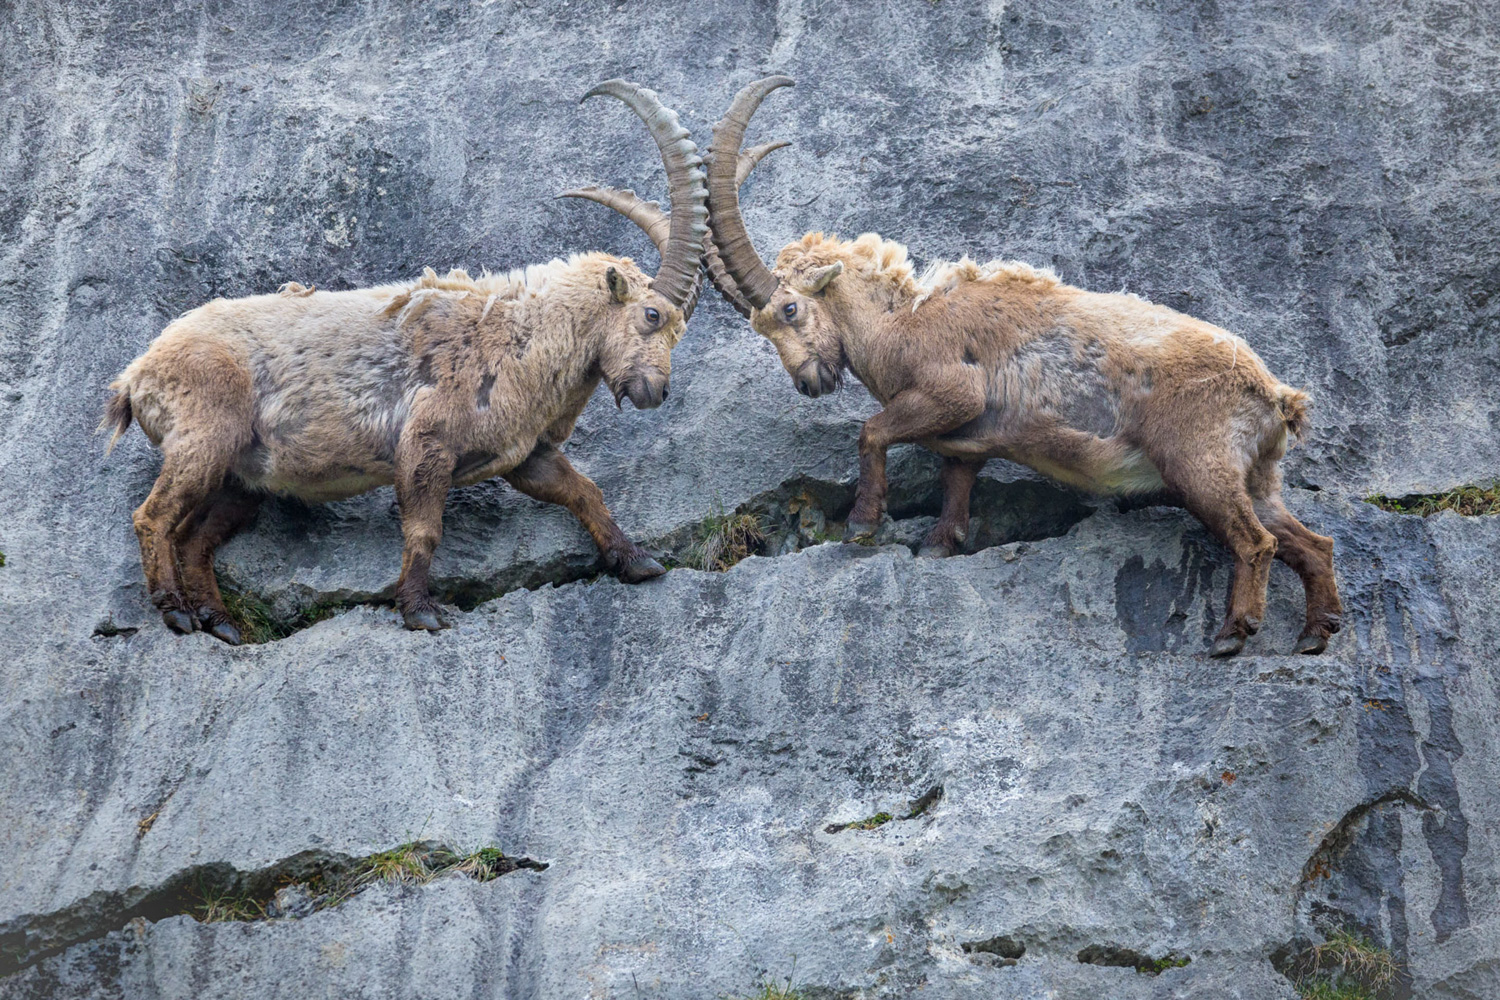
x: 918, y: 806
x: 292, y: 888
x: 1001, y: 950
x: 799, y: 513
x: 1108, y: 954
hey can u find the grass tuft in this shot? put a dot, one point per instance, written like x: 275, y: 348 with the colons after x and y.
x: 1322, y: 989
x: 258, y: 623
x: 485, y: 864
x: 1346, y: 967
x: 1357, y: 957
x: 725, y: 539
x: 406, y: 863
x: 212, y: 905
x: 1470, y: 501
x: 775, y: 991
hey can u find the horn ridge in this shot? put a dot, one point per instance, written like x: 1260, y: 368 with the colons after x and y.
x: 753, y: 279
x: 677, y: 278
x: 712, y: 262
x: 646, y: 214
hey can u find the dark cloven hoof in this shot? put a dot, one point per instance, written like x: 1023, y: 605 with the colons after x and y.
x: 1229, y: 645
x: 217, y: 624
x: 642, y: 567
x: 178, y: 621
x: 1312, y: 644
x: 224, y: 631
x: 859, y: 531
x: 423, y: 619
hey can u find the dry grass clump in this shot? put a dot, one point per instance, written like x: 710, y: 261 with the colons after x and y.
x: 1470, y: 501
x: 258, y: 623
x: 1346, y: 967
x: 725, y: 539
x: 212, y: 905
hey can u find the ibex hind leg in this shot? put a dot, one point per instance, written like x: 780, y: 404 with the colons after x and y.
x: 1218, y: 497
x: 219, y: 519
x: 1309, y: 554
x: 948, y: 536
x: 193, y: 468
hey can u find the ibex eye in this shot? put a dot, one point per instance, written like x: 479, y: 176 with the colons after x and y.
x: 653, y: 317
x: 789, y: 311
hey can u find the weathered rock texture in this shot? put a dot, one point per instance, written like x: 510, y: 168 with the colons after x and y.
x: 1318, y: 177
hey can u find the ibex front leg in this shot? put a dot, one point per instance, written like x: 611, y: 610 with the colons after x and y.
x: 934, y: 406
x: 547, y: 475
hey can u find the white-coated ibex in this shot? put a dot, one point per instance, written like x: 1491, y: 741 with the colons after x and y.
x: 427, y: 385
x: 1108, y: 393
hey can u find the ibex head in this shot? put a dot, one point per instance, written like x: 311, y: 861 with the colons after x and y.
x: 646, y: 316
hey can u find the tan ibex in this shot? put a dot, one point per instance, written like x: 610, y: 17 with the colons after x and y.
x: 430, y: 384
x: 1108, y: 393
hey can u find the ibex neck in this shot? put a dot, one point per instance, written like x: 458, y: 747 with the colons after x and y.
x: 562, y: 349
x: 868, y: 335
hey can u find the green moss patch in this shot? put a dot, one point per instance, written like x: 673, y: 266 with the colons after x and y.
x: 868, y: 823
x: 1129, y: 958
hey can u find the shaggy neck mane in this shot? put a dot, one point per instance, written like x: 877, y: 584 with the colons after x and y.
x: 885, y: 269
x: 521, y: 283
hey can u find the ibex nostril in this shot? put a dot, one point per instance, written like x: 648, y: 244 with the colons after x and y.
x: 664, y: 394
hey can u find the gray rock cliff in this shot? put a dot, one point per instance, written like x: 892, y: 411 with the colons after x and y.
x: 1067, y: 774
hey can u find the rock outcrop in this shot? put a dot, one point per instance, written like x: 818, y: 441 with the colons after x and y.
x: 997, y: 775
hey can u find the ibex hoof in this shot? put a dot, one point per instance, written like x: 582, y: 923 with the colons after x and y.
x: 1228, y: 645
x: 859, y: 531
x: 642, y: 567
x: 935, y: 552
x: 217, y: 624
x: 178, y: 621
x: 423, y: 618
x: 1312, y: 644
x: 225, y: 631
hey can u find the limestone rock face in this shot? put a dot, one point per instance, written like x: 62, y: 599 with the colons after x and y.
x: 1073, y: 788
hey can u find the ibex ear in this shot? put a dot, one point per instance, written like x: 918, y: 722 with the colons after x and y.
x: 818, y: 279
x: 619, y: 288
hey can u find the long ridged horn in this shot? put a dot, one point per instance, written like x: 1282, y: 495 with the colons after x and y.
x: 649, y: 215
x: 712, y: 262
x: 677, y: 278
x: 750, y: 157
x: 652, y: 219
x: 754, y: 280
